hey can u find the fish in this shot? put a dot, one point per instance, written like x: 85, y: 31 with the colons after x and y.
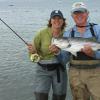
x: 74, y: 45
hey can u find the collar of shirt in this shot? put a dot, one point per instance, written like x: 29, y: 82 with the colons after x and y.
x: 75, y: 27
x: 50, y: 32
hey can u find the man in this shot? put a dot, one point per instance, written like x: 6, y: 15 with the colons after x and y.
x: 84, y: 70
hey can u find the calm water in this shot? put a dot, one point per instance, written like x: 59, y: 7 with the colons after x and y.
x: 25, y: 17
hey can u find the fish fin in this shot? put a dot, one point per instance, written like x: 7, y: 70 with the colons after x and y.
x: 71, y: 51
x: 74, y: 53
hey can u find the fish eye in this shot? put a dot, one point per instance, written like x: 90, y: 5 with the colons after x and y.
x: 69, y: 45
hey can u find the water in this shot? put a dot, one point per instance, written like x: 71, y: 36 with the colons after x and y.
x: 26, y: 17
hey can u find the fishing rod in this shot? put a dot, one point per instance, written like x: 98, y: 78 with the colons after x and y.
x: 14, y: 32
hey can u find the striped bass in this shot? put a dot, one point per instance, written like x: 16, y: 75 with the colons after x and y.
x: 73, y: 45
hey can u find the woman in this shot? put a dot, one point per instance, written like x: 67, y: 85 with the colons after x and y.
x: 49, y: 73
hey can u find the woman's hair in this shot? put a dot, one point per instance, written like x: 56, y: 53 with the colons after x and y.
x: 63, y: 26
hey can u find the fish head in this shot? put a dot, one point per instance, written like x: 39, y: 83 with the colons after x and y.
x: 60, y: 42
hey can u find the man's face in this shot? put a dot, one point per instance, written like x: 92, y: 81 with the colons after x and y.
x: 80, y: 18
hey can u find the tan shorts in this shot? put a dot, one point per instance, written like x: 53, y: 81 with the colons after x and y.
x: 85, y: 83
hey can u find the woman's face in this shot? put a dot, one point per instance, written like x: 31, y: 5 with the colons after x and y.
x: 57, y: 22
x: 80, y: 18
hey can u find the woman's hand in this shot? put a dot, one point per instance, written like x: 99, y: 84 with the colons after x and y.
x: 31, y: 48
x: 54, y: 49
x: 88, y: 50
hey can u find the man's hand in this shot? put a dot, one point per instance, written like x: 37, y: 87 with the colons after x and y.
x: 88, y: 50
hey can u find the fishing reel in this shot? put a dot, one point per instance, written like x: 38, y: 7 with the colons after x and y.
x: 35, y: 57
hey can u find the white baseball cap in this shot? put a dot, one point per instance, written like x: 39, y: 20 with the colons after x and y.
x: 79, y: 7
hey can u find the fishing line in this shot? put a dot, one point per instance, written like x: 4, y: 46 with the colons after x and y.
x: 14, y: 32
